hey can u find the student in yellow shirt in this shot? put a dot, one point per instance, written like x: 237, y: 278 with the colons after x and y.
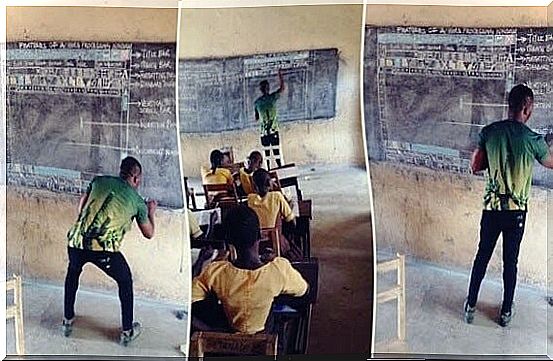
x: 246, y: 287
x: 270, y: 206
x: 255, y: 160
x: 216, y: 174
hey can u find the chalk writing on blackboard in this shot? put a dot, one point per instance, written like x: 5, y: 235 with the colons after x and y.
x: 218, y: 94
x: 75, y: 109
x: 429, y: 90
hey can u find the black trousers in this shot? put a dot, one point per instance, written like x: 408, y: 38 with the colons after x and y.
x: 114, y: 265
x: 511, y: 225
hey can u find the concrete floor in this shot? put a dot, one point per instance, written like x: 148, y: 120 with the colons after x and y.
x: 435, y: 325
x: 97, y: 323
x: 341, y: 240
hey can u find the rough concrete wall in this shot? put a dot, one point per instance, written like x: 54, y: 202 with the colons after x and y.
x: 436, y: 217
x: 433, y: 215
x: 479, y: 16
x: 243, y: 31
x: 91, y: 24
x: 37, y: 224
x: 39, y: 220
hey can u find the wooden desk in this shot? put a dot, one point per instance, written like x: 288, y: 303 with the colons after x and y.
x: 303, y: 226
x: 293, y: 314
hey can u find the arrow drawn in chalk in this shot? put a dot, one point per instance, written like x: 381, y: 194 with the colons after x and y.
x: 463, y: 123
x: 491, y: 105
x: 108, y: 124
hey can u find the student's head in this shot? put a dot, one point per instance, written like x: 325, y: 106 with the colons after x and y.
x: 256, y: 160
x: 216, y: 159
x: 131, y: 171
x: 262, y: 181
x: 242, y: 227
x: 521, y: 102
x: 264, y: 86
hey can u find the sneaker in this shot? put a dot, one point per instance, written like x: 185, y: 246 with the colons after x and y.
x: 130, y: 335
x: 506, y: 317
x: 67, y: 326
x: 181, y: 314
x: 469, y: 312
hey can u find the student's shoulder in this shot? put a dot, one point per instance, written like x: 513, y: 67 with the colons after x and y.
x: 281, y: 264
x: 216, y: 267
x: 277, y: 196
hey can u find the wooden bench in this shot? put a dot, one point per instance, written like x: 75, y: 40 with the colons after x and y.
x: 232, y: 344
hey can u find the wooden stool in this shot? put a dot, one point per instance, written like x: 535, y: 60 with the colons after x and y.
x: 232, y: 344
x: 398, y: 292
x: 15, y: 311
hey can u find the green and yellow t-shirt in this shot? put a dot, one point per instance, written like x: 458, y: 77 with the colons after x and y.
x: 110, y: 209
x: 511, y: 148
x: 267, y: 109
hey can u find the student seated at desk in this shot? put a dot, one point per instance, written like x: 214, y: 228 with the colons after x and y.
x: 216, y: 174
x: 272, y: 207
x: 246, y: 287
x: 255, y: 160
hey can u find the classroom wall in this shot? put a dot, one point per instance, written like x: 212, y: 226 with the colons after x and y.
x: 38, y: 220
x: 91, y: 24
x: 434, y: 216
x: 243, y: 31
x: 37, y: 224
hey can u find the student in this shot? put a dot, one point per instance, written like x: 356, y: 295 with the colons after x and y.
x: 246, y: 287
x: 216, y: 174
x: 508, y: 150
x: 272, y: 207
x: 106, y: 212
x: 255, y: 160
x: 266, y: 111
x: 269, y: 205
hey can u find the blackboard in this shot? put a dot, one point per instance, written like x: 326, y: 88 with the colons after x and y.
x: 428, y: 91
x: 217, y: 94
x: 75, y: 109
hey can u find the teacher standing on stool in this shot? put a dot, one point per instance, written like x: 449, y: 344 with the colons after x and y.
x: 266, y: 113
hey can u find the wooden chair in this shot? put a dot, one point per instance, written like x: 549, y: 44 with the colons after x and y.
x: 289, y: 178
x: 190, y: 195
x: 223, y: 195
x: 234, y: 344
x: 271, y: 235
x: 398, y: 292
x: 275, y: 182
x: 15, y: 311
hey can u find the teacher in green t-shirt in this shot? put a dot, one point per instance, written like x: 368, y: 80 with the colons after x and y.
x: 106, y: 213
x: 266, y: 114
x: 508, y: 150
